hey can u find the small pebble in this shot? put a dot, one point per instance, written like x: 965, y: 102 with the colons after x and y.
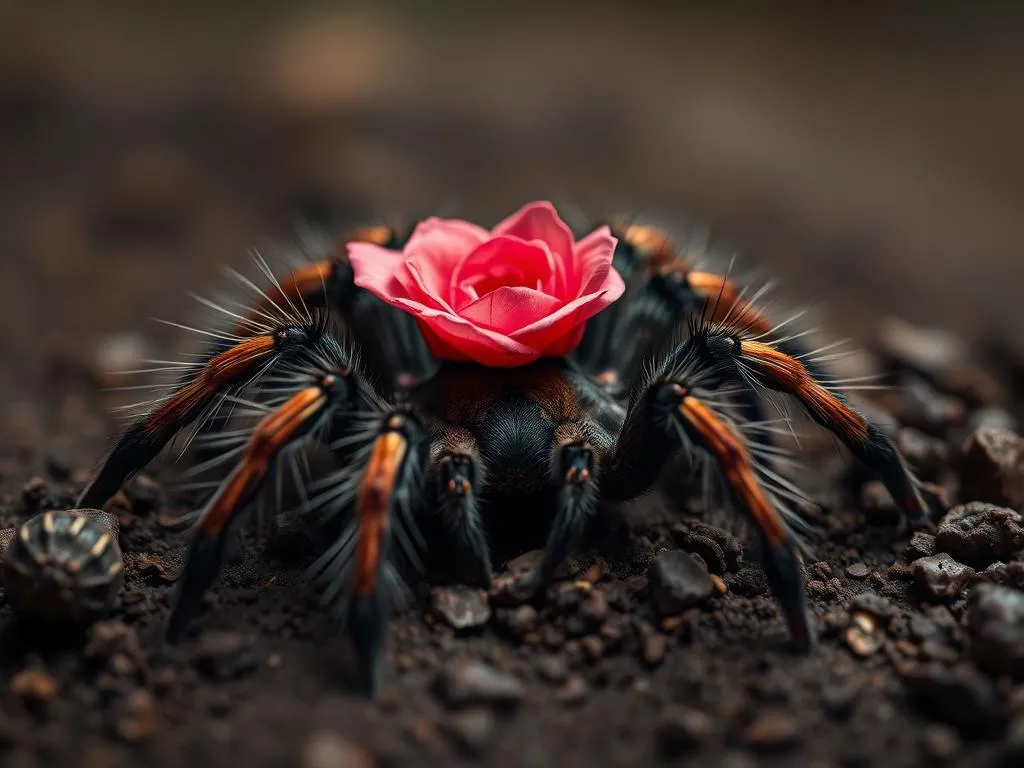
x: 679, y: 582
x: 574, y: 692
x: 682, y: 729
x: 941, y: 743
x: 921, y: 545
x: 993, y: 468
x: 327, y: 749
x: 863, y: 636
x: 940, y: 577
x: 772, y: 731
x: 857, y: 571
x: 138, y: 721
x: 34, y: 688
x: 473, y: 683
x: 995, y: 621
x: 958, y: 696
x: 472, y: 731
x: 460, y: 607
x: 553, y: 669
x: 227, y: 655
x: 655, y: 645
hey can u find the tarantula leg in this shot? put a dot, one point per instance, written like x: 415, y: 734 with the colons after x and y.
x: 318, y: 283
x: 361, y: 580
x: 780, y: 558
x: 675, y: 413
x: 575, y: 473
x: 225, y: 372
x: 305, y: 412
x: 460, y: 476
x: 763, y: 363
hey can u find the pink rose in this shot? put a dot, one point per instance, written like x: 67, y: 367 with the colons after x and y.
x: 502, y: 298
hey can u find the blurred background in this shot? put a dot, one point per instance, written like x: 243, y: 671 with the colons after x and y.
x: 870, y: 159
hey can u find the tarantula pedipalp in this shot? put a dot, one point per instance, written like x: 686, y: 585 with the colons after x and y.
x: 588, y: 411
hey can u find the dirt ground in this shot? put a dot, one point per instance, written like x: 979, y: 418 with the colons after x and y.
x: 871, y: 164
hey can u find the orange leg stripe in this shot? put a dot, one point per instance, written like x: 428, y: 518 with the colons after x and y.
x: 734, y: 459
x: 378, y: 235
x: 786, y: 374
x: 374, y: 503
x: 727, y: 302
x: 271, y: 434
x: 220, y: 369
x: 658, y: 249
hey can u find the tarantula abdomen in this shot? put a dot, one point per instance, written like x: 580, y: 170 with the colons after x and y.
x: 63, y: 567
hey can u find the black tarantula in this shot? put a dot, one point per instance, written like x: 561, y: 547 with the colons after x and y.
x: 680, y: 366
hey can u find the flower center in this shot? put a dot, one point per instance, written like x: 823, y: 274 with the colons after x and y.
x: 501, y: 263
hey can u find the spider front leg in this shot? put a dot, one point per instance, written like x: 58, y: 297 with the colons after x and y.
x: 303, y: 415
x: 460, y: 477
x: 673, y: 413
x: 574, y: 470
x: 228, y: 371
x: 359, y: 572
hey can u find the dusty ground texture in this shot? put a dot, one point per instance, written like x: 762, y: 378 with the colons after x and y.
x: 125, y: 185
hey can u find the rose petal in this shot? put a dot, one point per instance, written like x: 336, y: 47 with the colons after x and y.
x: 580, y: 310
x: 539, y: 221
x: 422, y: 281
x: 508, y: 308
x: 374, y: 269
x: 453, y: 338
x: 593, y: 259
x: 437, y: 246
x: 492, y: 263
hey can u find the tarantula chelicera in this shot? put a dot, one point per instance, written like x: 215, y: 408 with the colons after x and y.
x: 480, y: 367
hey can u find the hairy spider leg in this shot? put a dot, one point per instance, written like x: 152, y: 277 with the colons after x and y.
x: 225, y: 372
x: 762, y: 363
x: 574, y: 471
x: 308, y: 409
x: 663, y: 290
x: 678, y: 409
x: 359, y: 572
x: 389, y: 339
x: 319, y: 281
x: 459, y: 477
x: 778, y: 545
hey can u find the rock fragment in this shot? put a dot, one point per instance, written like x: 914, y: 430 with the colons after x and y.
x: 680, y: 730
x: 995, y: 621
x: 940, y: 577
x: 473, y: 683
x: 679, y: 582
x: 980, y: 532
x: 993, y: 468
x: 460, y: 607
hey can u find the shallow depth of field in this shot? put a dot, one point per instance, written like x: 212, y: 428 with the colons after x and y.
x: 872, y: 164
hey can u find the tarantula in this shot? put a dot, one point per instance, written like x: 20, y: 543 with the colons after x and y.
x: 434, y: 418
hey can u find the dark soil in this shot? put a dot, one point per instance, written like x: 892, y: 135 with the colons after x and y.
x: 109, y: 211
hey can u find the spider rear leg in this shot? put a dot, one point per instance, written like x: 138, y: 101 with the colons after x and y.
x: 772, y: 367
x: 460, y: 477
x: 672, y: 414
x: 302, y: 414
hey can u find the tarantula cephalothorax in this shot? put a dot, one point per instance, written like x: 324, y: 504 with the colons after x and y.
x: 484, y: 365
